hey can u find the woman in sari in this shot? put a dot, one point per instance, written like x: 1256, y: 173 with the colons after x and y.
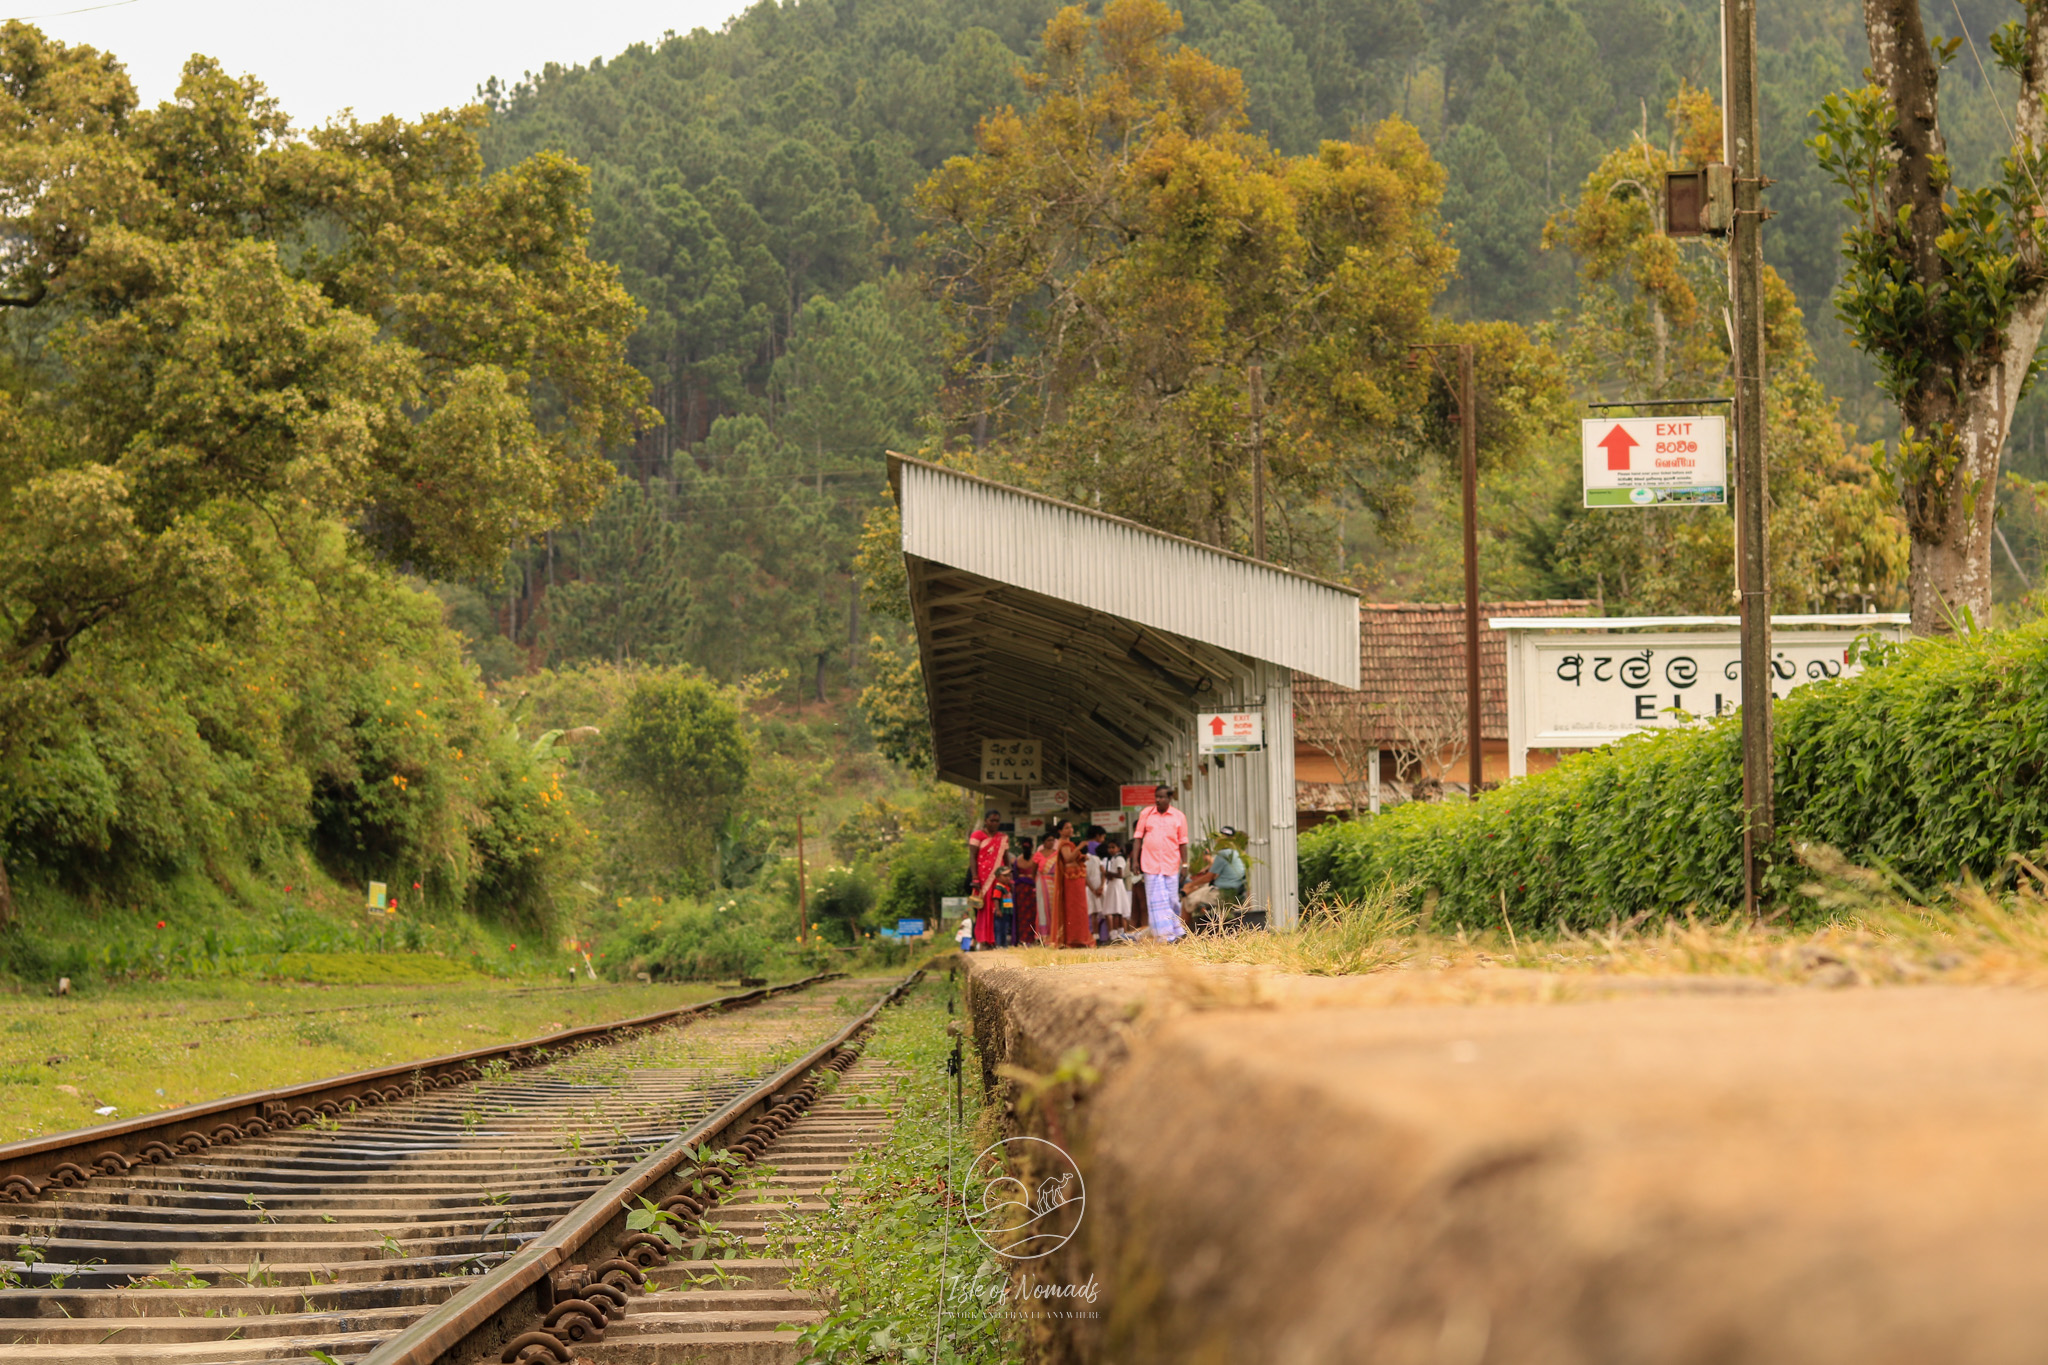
x: 1047, y: 865
x: 1073, y: 891
x: 989, y: 846
x: 1024, y: 891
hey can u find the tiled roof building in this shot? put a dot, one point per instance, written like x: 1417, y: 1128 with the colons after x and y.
x: 1413, y: 653
x: 1411, y: 696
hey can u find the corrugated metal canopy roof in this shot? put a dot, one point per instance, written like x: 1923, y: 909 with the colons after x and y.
x: 1078, y: 555
x: 1038, y: 618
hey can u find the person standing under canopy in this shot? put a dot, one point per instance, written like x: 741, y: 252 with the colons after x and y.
x: 1073, y: 930
x: 1116, y: 892
x: 988, y: 846
x: 1217, y: 891
x: 1024, y: 893
x: 1047, y: 866
x: 1162, y: 839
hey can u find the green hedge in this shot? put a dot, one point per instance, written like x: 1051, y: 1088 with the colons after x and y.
x: 1930, y: 764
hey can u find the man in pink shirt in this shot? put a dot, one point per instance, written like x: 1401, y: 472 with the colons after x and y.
x: 1162, y: 838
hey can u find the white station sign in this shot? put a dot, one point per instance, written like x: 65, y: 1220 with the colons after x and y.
x: 1654, y: 461
x: 1578, y: 690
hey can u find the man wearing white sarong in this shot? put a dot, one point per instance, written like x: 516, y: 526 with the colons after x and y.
x: 1162, y: 839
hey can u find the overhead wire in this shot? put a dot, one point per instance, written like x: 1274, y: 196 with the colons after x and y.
x: 61, y: 13
x: 2012, y: 137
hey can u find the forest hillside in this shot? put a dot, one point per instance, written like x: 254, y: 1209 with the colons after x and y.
x: 757, y: 189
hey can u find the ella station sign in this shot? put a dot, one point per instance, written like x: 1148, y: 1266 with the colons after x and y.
x: 1577, y: 683
x: 1654, y: 461
x: 1007, y: 762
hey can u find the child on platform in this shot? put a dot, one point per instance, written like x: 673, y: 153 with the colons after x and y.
x: 1006, y: 907
x: 1116, y: 892
x: 1096, y: 880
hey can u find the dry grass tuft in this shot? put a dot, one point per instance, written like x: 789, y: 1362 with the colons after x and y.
x: 1882, y: 931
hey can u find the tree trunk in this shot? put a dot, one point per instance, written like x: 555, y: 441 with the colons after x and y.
x: 1660, y: 344
x: 1959, y: 413
x: 6, y: 896
x: 852, y: 632
x: 1952, y: 495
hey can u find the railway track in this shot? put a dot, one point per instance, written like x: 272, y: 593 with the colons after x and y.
x: 434, y: 1208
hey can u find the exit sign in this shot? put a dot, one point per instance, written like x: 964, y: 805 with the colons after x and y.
x: 1655, y: 461
x: 1230, y: 732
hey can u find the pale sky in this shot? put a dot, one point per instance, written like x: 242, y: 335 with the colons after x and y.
x: 376, y: 56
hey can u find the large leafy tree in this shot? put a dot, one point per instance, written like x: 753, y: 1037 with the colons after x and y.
x: 230, y: 349
x: 1151, y: 251
x: 681, y: 742
x: 1943, y: 285
x: 1650, y: 325
x: 224, y: 331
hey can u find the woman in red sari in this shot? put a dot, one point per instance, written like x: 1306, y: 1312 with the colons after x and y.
x: 988, y: 847
x: 1047, y: 866
x: 1073, y: 891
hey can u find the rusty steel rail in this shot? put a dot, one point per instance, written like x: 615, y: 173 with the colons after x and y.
x: 68, y: 1160
x: 561, y: 1288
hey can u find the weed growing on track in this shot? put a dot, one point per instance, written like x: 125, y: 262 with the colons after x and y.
x: 890, y: 1221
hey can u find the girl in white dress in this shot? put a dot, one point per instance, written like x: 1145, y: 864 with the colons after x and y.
x: 1116, y: 892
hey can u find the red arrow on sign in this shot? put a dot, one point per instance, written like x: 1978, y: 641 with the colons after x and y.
x: 1618, y: 443
x: 1215, y: 725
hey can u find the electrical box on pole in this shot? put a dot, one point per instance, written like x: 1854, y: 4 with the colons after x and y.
x: 1699, y: 203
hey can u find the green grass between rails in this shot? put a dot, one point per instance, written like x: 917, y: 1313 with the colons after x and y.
x: 876, y: 1249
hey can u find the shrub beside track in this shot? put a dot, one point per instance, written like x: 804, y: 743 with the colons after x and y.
x: 1929, y: 764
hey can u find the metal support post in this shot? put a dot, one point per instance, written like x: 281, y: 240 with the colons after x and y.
x: 1257, y: 378
x: 1468, y: 441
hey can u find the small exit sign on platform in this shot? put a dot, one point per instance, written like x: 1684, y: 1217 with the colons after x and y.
x: 1230, y: 732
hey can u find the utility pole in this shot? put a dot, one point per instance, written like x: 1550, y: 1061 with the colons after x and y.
x: 1468, y: 442
x: 1468, y: 460
x: 1258, y: 409
x: 1741, y: 136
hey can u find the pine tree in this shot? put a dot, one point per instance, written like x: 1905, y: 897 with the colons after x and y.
x: 631, y: 596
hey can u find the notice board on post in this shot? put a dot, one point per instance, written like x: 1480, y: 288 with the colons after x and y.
x: 1579, y: 683
x: 1046, y: 800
